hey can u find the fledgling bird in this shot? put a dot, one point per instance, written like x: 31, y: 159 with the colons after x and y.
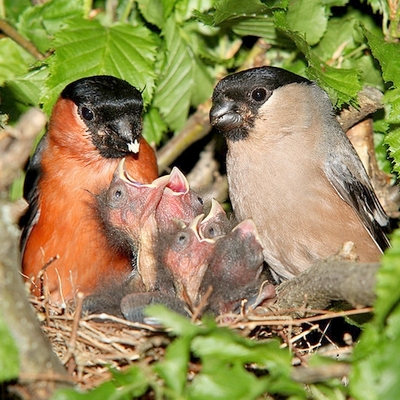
x: 126, y: 206
x: 170, y: 274
x: 95, y: 122
x: 235, y: 271
x: 293, y: 171
x: 184, y: 255
x: 134, y: 215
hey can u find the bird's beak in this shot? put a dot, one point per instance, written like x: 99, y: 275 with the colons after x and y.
x: 133, y: 147
x: 225, y: 115
x: 158, y: 183
x: 195, y: 227
x: 248, y: 227
x: 178, y: 183
x: 127, y: 133
x: 215, y: 210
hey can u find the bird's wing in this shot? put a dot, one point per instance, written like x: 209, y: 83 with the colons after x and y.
x: 31, y: 192
x: 348, y: 177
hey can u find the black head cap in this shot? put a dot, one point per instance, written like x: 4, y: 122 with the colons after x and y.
x: 111, y: 109
x: 237, y: 98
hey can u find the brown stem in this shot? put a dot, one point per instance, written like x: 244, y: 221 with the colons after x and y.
x: 197, y: 126
x: 18, y: 38
x: 327, y: 281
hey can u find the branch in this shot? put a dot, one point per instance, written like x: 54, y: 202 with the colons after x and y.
x: 196, y: 127
x: 369, y: 101
x: 36, y: 358
x: 16, y: 145
x: 18, y: 38
x: 327, y: 281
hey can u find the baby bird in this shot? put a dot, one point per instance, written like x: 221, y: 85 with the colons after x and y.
x: 235, y: 271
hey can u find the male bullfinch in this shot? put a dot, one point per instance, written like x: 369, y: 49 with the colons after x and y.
x: 95, y: 122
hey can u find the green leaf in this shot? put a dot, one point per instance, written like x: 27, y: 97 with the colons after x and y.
x: 14, y: 60
x: 9, y: 360
x: 176, y: 84
x: 226, y: 381
x: 14, y: 9
x: 309, y: 17
x: 153, y: 126
x: 87, y: 48
x: 203, y: 84
x: 388, y: 56
x: 388, y: 281
x: 134, y: 381
x: 178, y: 324
x: 392, y: 139
x: 175, y: 365
x: 27, y: 88
x: 40, y: 22
x: 377, y: 375
x: 378, y: 6
x: 153, y: 11
x: 228, y: 10
x: 381, y: 149
x: 262, y: 26
x: 224, y: 355
x: 223, y: 344
x: 105, y: 391
x: 184, y: 9
x: 342, y: 85
x: 323, y: 391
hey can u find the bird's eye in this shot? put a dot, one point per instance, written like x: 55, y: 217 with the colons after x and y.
x: 87, y: 113
x: 259, y: 94
x: 116, y: 196
x: 201, y: 201
x: 211, y: 232
x: 182, y: 239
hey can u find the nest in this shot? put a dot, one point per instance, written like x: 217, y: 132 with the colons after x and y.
x: 88, y: 346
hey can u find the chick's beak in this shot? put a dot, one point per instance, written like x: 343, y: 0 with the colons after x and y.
x: 178, y: 183
x: 158, y: 183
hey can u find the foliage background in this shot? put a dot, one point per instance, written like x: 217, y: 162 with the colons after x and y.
x: 176, y: 50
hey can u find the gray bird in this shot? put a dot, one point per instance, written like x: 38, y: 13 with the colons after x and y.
x: 292, y: 169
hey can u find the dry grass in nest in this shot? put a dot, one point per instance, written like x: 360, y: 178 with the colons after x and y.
x: 89, y: 345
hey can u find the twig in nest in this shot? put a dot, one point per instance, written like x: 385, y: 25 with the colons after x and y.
x: 320, y: 374
x: 72, y: 363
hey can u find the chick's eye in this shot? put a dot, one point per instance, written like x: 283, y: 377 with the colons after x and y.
x: 259, y: 94
x: 87, y: 113
x: 211, y: 232
x: 182, y: 239
x: 115, y: 197
x: 118, y: 194
x: 201, y: 201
